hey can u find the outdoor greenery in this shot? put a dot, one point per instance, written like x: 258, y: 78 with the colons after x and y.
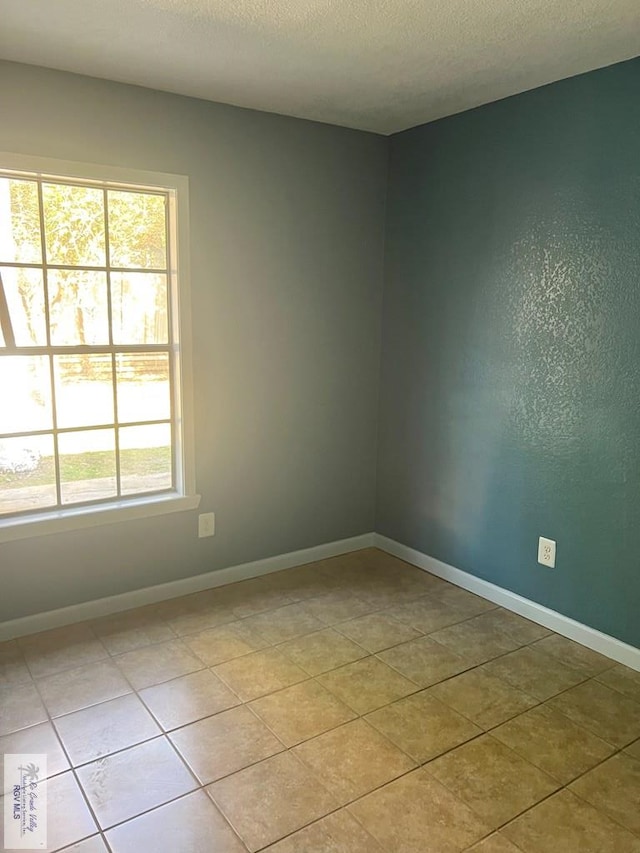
x: 75, y: 235
x: 90, y: 466
x: 84, y: 227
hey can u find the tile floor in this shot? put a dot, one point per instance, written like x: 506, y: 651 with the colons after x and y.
x: 355, y: 705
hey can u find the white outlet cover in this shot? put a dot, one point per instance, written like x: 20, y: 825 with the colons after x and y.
x: 206, y: 524
x: 547, y: 552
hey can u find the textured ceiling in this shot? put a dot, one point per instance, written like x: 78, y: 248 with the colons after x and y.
x: 380, y: 65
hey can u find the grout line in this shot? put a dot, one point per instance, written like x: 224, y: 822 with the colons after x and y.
x: 71, y: 769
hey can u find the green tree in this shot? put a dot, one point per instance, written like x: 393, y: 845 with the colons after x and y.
x: 76, y: 221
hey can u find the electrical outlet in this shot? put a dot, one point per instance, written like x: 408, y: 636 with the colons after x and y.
x: 547, y: 552
x: 206, y: 524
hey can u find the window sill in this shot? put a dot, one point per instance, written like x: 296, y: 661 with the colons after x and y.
x: 79, y: 518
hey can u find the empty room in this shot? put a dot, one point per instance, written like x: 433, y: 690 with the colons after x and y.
x: 320, y: 426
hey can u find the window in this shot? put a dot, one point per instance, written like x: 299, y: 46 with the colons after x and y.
x: 94, y: 391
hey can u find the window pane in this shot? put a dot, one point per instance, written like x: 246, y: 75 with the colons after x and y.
x: 27, y: 473
x: 139, y: 308
x: 25, y: 393
x: 145, y: 458
x: 74, y: 225
x: 24, y: 290
x: 78, y: 311
x: 137, y: 232
x: 19, y: 222
x: 143, y: 386
x: 87, y: 465
x: 84, y: 391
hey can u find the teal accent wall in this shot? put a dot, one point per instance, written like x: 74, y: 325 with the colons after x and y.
x: 510, y: 383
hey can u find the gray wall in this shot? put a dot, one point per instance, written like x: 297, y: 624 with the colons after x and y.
x: 287, y: 222
x: 510, y: 390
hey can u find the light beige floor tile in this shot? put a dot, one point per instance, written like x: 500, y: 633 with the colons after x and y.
x: 202, y: 618
x: 367, y: 684
x: 538, y: 675
x: 351, y: 585
x: 475, y: 641
x: 378, y: 631
x: 285, y: 623
x: 303, y: 582
x: 258, y: 595
x: 427, y: 614
x: 218, y: 645
x: 374, y: 559
x: 335, y: 833
x: 188, y: 698
x: 572, y: 654
x: 322, y: 651
x: 13, y: 667
x: 62, y: 648
x: 191, y: 824
x: 334, y: 607
x: 105, y: 728
x: 623, y: 679
x: 132, y: 629
x: 68, y: 818
x: 270, y: 791
x: 95, y: 844
x: 260, y: 673
x: 553, y: 743
x: 603, y: 711
x: 135, y: 780
x: 495, y: 843
x: 424, y: 661
x: 521, y: 630
x: 492, y: 779
x: 422, y: 726
x: 405, y: 576
x: 335, y: 567
x: 634, y: 749
x: 484, y: 699
x: 20, y: 707
x: 79, y: 688
x: 154, y: 664
x: 220, y: 745
x: 416, y: 814
x: 614, y: 788
x: 342, y: 584
x: 39, y: 740
x: 271, y: 799
x: 564, y: 824
x: 344, y: 572
x: 388, y: 593
x: 463, y: 601
x: 425, y: 583
x: 301, y: 712
x: 354, y: 759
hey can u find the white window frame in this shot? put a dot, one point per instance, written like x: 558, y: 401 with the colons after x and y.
x: 184, y: 496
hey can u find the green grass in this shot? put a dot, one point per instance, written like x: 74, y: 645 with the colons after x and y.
x: 91, y: 466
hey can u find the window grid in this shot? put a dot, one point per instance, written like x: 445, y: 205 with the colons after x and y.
x: 51, y: 350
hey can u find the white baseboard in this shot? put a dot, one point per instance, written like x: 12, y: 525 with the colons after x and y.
x: 596, y: 640
x: 590, y: 637
x: 173, y: 589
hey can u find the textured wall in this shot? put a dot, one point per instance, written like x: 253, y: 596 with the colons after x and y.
x: 287, y: 224
x: 510, y: 396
